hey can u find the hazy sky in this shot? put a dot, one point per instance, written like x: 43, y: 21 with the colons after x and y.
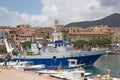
x: 44, y: 12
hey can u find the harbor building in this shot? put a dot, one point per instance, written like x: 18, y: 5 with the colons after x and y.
x: 24, y: 33
x: 43, y: 35
x: 2, y: 35
x: 116, y: 37
x: 76, y: 33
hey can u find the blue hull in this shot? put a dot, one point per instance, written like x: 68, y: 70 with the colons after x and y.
x: 52, y: 63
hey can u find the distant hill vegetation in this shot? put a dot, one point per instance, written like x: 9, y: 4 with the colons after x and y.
x: 111, y: 20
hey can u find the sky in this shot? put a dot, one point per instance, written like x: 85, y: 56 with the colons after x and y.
x: 42, y: 13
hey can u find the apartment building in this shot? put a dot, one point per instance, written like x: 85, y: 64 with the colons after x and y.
x: 98, y: 28
x: 42, y: 35
x: 2, y: 36
x: 76, y: 33
x: 116, y: 37
x: 24, y: 33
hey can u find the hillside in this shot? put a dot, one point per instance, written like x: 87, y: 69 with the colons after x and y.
x: 111, y: 20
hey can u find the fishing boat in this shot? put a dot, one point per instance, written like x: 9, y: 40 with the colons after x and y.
x: 56, y: 54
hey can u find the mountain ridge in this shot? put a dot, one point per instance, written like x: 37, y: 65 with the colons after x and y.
x: 112, y: 20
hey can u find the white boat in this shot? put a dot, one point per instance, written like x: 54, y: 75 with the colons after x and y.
x: 9, y: 64
x: 69, y: 74
x: 23, y: 65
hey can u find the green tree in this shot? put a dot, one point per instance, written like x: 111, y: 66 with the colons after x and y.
x: 2, y: 49
x: 105, y: 42
x: 94, y: 42
x: 26, y: 44
x: 100, y: 42
x: 79, y: 43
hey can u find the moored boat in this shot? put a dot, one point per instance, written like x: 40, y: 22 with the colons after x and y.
x: 56, y: 53
x: 23, y: 65
x: 67, y: 74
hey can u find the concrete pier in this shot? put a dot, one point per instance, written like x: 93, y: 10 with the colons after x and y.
x: 14, y: 74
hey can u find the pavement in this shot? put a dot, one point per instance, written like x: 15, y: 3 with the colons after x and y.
x: 15, y: 74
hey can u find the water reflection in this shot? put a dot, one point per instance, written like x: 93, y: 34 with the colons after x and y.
x: 106, y: 61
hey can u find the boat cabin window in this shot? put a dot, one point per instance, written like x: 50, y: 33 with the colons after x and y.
x: 72, y: 62
x: 55, y: 45
x: 59, y: 45
x: 82, y: 74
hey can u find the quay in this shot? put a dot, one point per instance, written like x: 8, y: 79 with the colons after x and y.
x: 14, y: 74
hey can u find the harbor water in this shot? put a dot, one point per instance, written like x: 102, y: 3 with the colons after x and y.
x: 106, y: 61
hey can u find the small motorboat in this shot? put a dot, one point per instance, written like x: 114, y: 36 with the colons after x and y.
x: 23, y: 65
x: 69, y: 74
x: 26, y: 65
